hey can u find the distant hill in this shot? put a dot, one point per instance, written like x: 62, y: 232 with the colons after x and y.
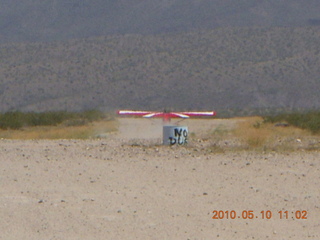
x: 55, y: 20
x: 221, y: 69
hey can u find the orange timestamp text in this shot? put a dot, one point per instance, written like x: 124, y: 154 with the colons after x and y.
x: 250, y: 214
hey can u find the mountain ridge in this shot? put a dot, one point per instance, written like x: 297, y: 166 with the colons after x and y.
x: 221, y: 69
x: 41, y: 21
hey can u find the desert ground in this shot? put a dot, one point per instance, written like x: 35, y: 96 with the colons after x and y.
x: 129, y: 186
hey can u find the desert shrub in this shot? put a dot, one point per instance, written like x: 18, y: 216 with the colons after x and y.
x: 12, y: 120
x: 17, y: 120
x: 92, y: 115
x: 309, y: 121
x: 47, y: 118
x: 252, y: 133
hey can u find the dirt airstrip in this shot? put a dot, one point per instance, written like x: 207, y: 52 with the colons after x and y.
x: 129, y: 186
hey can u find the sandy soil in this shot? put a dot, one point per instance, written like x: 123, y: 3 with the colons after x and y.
x: 124, y: 188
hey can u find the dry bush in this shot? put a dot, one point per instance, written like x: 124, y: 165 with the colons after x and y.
x: 251, y: 132
x: 255, y: 134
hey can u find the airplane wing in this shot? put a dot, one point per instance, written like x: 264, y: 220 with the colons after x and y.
x: 165, y: 115
x: 145, y: 114
x: 199, y: 114
x: 178, y: 114
x: 134, y: 113
x: 153, y: 114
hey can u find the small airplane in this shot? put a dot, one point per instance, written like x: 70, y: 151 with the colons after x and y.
x: 166, y: 115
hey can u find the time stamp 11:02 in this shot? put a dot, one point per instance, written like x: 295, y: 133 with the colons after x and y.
x: 250, y: 214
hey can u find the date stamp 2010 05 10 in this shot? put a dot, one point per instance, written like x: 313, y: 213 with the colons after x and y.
x: 250, y: 214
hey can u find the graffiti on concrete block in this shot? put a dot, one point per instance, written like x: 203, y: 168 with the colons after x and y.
x: 180, y: 136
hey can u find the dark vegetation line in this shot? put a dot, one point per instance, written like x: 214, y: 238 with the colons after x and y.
x: 18, y: 120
